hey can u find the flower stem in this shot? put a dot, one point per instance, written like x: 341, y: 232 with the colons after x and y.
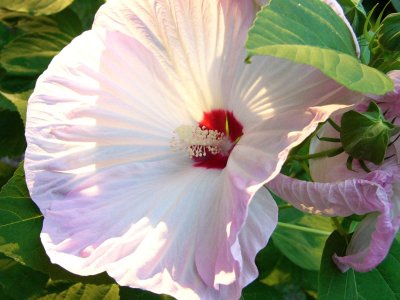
x: 343, y: 232
x: 285, y: 206
x: 302, y: 228
x: 326, y: 153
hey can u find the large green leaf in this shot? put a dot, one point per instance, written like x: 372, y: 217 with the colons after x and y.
x: 378, y: 284
x: 301, y: 237
x: 15, y: 102
x: 36, y: 7
x: 86, y: 10
x: 79, y: 291
x: 295, y: 30
x: 20, y: 224
x: 292, y: 281
x: 17, y: 23
x: 12, y: 138
x: 260, y: 291
x: 355, y: 13
x: 18, y: 281
x: 30, y: 54
x: 396, y: 5
x: 31, y: 45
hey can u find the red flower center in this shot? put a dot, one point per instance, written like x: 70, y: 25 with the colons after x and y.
x: 228, y: 130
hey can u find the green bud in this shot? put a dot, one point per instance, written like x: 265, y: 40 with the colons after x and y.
x: 365, y: 136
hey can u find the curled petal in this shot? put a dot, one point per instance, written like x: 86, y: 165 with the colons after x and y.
x: 353, y: 196
x: 373, y: 237
x: 369, y: 244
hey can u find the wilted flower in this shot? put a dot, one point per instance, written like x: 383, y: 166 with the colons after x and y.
x: 149, y: 140
x: 339, y: 191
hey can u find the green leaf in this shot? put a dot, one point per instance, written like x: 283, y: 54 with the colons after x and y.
x: 15, y: 102
x: 380, y: 283
x: 20, y: 224
x: 260, y: 291
x: 17, y: 23
x: 267, y: 258
x: 298, y: 32
x: 6, y: 172
x: 388, y: 35
x: 36, y: 7
x: 365, y: 53
x: 30, y: 54
x: 365, y: 136
x: 355, y: 13
x: 127, y: 293
x: 66, y: 291
x: 396, y: 5
x: 86, y: 9
x: 12, y: 138
x: 18, y: 281
x: 292, y: 281
x: 301, y: 237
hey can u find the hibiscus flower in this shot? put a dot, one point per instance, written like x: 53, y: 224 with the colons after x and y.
x: 149, y: 142
x: 339, y: 191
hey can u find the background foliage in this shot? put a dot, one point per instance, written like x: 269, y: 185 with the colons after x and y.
x: 297, y: 263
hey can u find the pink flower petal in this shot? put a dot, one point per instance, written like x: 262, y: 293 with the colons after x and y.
x: 373, y: 237
x: 369, y: 244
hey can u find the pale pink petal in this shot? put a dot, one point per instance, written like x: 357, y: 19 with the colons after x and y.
x: 270, y: 143
x: 146, y: 230
x: 255, y: 94
x: 260, y: 223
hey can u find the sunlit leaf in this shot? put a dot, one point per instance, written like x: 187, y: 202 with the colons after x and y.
x: 30, y: 54
x: 15, y: 102
x: 78, y: 291
x: 287, y: 29
x: 36, y: 7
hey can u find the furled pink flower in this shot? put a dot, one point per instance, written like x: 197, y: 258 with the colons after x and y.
x: 149, y: 141
x: 339, y: 191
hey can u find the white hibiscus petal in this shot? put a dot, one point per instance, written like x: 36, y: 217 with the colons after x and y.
x: 270, y: 86
x: 260, y: 223
x: 148, y: 231
x: 197, y: 38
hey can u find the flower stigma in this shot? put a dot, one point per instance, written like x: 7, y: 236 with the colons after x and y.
x: 210, y: 142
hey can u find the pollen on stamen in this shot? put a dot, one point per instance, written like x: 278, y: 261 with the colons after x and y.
x: 197, y: 141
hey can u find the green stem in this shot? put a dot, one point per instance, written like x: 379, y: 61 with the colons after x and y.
x: 343, y: 232
x: 334, y: 125
x: 326, y: 153
x: 285, y: 206
x: 302, y: 228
